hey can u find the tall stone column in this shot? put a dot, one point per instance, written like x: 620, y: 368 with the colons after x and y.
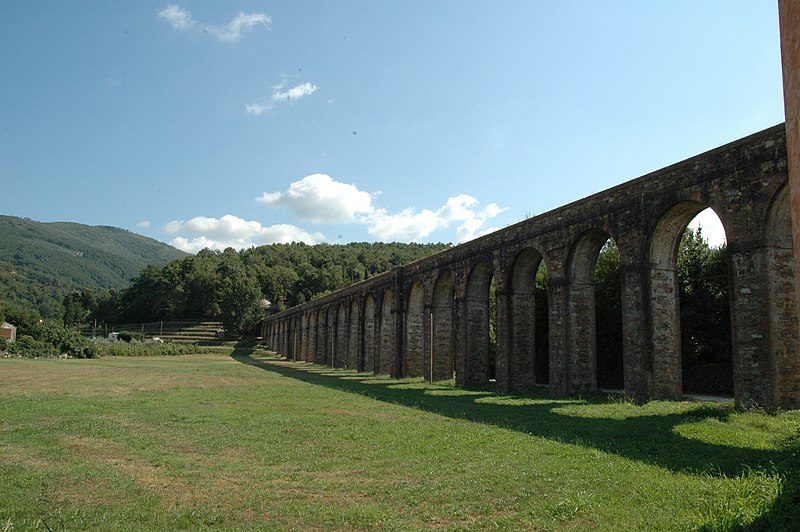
x: 502, y: 329
x: 636, y: 339
x: 753, y: 372
x: 580, y: 315
x: 461, y: 330
x: 563, y: 371
x: 789, y: 12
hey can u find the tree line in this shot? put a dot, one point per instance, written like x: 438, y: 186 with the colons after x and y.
x: 230, y: 285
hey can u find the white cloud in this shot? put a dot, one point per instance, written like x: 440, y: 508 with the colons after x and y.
x: 235, y: 232
x: 410, y: 225
x: 295, y: 93
x: 178, y: 18
x: 243, y: 22
x: 257, y: 108
x: 181, y: 19
x: 407, y: 225
x: 320, y: 199
x: 279, y: 95
x: 144, y: 224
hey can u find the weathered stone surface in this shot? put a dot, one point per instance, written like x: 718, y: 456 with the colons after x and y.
x: 439, y: 305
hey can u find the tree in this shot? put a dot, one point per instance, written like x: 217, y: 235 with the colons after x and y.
x: 238, y: 296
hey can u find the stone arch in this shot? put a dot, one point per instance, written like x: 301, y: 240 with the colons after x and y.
x: 582, y: 312
x: 340, y: 346
x: 369, y: 364
x: 354, y: 336
x: 413, y: 360
x: 476, y: 369
x: 442, y: 316
x: 781, y: 288
x: 665, y: 323
x: 386, y: 329
x: 522, y: 362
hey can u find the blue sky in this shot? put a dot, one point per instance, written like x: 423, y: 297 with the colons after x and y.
x: 244, y: 123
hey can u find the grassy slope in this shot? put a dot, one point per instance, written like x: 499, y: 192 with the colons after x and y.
x: 214, y: 441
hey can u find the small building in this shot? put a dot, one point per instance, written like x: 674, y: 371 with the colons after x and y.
x: 8, y: 331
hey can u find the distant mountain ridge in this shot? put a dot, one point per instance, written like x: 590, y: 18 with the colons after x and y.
x: 42, y: 261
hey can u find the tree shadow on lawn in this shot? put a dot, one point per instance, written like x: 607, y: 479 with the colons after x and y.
x: 651, y: 438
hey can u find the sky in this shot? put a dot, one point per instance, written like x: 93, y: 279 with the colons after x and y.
x: 241, y: 123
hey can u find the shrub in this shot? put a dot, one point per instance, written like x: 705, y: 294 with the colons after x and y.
x: 128, y: 336
x: 137, y: 349
x: 29, y: 347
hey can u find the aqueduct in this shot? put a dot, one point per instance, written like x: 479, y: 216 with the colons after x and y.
x: 431, y: 317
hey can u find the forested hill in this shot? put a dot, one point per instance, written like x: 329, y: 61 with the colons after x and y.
x: 41, y: 262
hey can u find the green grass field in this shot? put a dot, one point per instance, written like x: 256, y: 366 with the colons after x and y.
x: 250, y: 442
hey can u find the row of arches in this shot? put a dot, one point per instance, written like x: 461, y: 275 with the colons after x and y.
x: 520, y: 307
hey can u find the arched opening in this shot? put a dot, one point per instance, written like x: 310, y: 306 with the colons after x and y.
x: 690, y: 312
x: 595, y: 313
x: 386, y: 331
x: 354, y: 344
x: 413, y: 364
x: 529, y: 360
x: 610, y: 368
x: 480, y: 345
x: 369, y: 335
x: 443, y: 358
x: 781, y: 283
x: 340, y: 350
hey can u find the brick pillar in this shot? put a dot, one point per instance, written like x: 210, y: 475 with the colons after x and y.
x: 460, y: 343
x: 442, y: 340
x: 636, y: 339
x: 387, y: 352
x: 789, y: 11
x: 354, y: 337
x: 502, y: 329
x: 581, y: 337
x: 330, y: 339
x: 522, y: 319
x: 340, y: 347
x: 561, y: 366
x: 398, y: 319
x: 476, y: 340
x: 665, y: 319
x: 753, y: 378
x: 369, y: 335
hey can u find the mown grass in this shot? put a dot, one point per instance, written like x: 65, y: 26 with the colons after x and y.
x: 250, y: 442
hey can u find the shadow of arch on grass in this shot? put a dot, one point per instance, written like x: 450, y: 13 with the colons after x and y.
x: 641, y: 433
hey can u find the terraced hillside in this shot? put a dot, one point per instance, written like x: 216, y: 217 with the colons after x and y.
x: 185, y: 331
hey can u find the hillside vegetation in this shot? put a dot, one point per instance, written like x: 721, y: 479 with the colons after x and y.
x: 41, y: 262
